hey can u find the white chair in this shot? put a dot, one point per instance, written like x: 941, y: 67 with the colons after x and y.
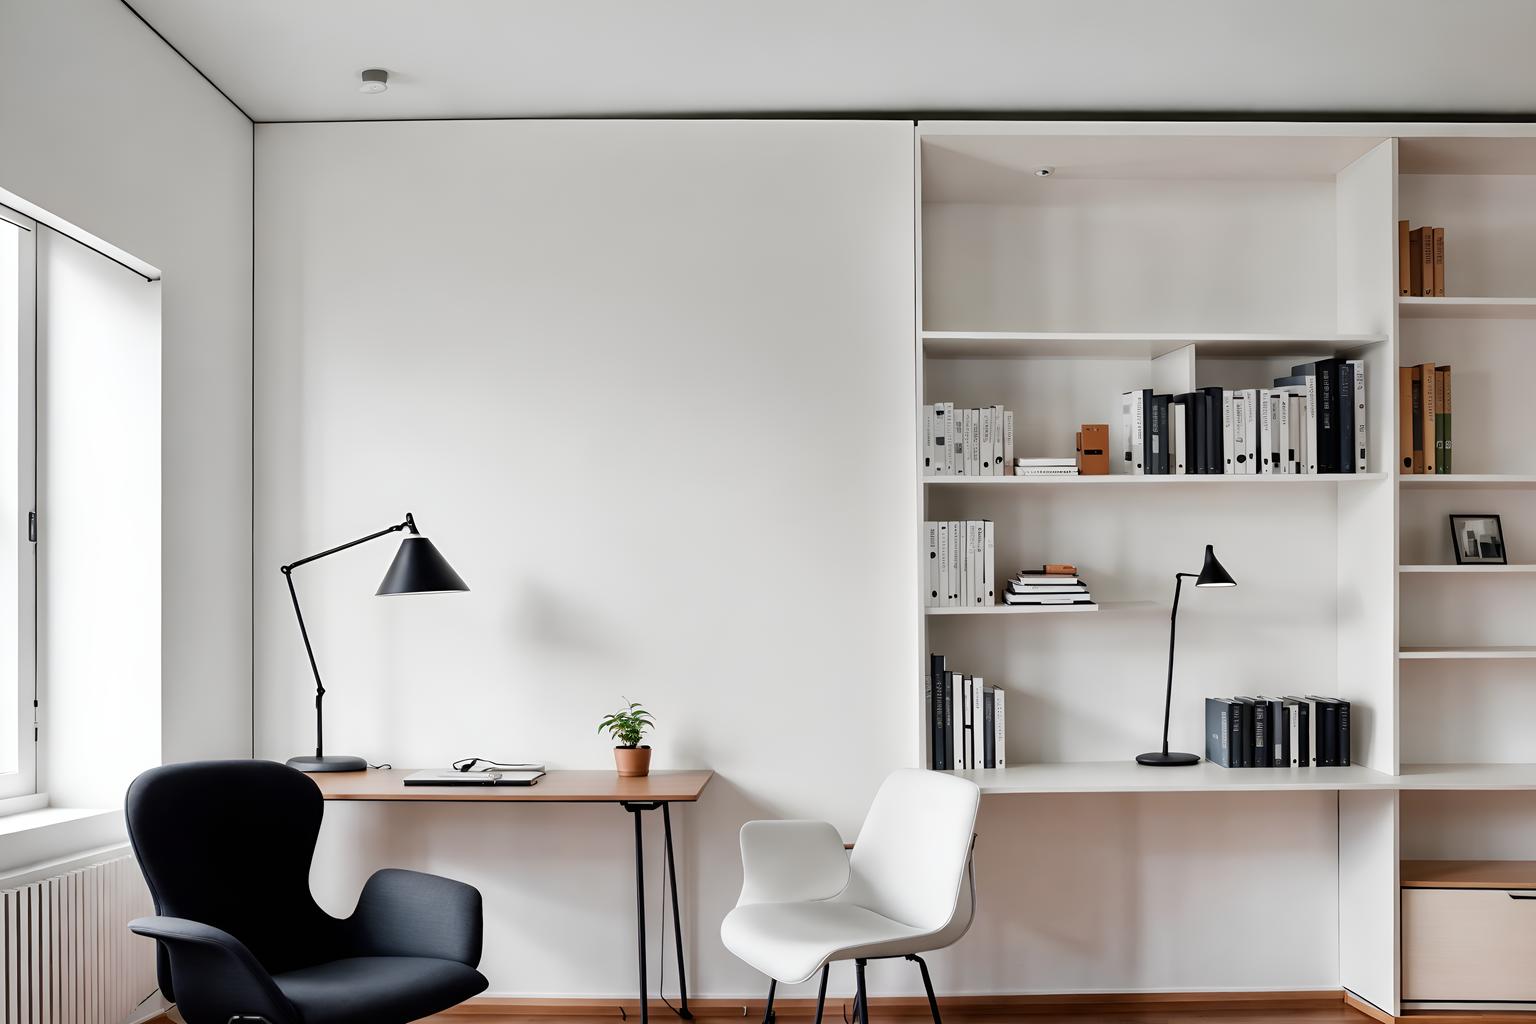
x: 907, y: 888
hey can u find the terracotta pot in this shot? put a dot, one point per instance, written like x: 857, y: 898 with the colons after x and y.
x: 632, y: 762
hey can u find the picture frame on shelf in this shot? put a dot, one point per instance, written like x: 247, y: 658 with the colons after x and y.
x: 1478, y: 539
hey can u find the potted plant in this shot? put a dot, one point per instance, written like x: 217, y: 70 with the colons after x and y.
x: 628, y: 726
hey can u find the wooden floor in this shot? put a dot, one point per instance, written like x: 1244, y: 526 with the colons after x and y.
x: 1334, y: 1015
x: 1338, y: 1014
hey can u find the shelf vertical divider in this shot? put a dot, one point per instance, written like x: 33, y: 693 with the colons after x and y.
x: 1366, y: 588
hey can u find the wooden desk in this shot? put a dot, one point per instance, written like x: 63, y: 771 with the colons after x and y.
x: 659, y: 790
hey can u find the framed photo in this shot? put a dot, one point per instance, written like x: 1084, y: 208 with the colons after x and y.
x: 1478, y: 540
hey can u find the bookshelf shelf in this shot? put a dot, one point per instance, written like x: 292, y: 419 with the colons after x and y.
x: 1467, y: 776
x: 1193, y: 480
x: 1468, y: 570
x: 1128, y: 777
x: 1420, y: 307
x: 1471, y: 481
x: 1072, y: 345
x: 1504, y: 652
x: 1060, y: 609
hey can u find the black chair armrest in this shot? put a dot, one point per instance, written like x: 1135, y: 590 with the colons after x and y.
x: 408, y: 913
x: 215, y: 976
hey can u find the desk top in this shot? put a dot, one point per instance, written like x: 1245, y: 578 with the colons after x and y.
x: 570, y: 787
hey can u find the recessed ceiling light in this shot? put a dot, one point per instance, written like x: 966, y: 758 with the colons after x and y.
x: 374, y: 80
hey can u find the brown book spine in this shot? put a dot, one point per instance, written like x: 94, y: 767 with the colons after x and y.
x: 1417, y: 404
x: 1405, y: 405
x: 1427, y: 263
x: 1439, y: 288
x: 1415, y: 261
x: 1427, y: 423
x: 1404, y: 260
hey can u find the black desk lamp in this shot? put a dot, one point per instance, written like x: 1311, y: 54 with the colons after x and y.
x: 1211, y: 575
x: 418, y: 568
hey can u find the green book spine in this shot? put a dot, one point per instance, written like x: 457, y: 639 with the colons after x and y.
x: 1442, y: 442
x: 1447, y: 435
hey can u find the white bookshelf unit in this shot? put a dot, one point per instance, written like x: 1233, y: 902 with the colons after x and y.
x: 1182, y: 255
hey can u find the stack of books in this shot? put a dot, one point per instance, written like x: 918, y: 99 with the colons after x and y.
x: 1424, y: 417
x: 1277, y: 732
x: 960, y: 564
x: 1313, y: 420
x: 967, y: 442
x: 967, y: 727
x: 1051, y: 585
x: 1045, y: 467
x: 1420, y: 260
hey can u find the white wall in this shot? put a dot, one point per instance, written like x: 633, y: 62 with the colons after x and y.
x: 510, y: 329
x: 104, y: 126
x: 649, y: 388
x: 99, y: 487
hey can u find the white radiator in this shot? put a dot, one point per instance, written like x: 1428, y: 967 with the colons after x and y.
x: 69, y: 957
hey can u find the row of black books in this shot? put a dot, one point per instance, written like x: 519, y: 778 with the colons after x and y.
x: 1312, y: 421
x: 1277, y: 732
x: 967, y: 725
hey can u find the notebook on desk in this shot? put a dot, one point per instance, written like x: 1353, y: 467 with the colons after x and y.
x: 455, y: 778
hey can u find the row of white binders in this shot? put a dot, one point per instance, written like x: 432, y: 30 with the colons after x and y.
x: 960, y: 564
x: 967, y: 442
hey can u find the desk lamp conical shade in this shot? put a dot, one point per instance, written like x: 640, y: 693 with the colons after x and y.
x: 419, y: 568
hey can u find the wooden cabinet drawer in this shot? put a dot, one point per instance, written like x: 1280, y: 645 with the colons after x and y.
x: 1461, y: 945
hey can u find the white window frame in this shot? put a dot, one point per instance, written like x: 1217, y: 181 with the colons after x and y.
x: 21, y: 790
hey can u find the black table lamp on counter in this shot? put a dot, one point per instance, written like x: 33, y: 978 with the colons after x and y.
x: 418, y: 568
x: 1211, y: 575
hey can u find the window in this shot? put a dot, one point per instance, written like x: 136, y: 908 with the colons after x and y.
x: 18, y: 462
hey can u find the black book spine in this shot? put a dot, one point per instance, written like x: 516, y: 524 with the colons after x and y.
x: 1327, y: 416
x: 1165, y: 432
x: 1343, y: 733
x: 1235, y: 728
x: 1194, y: 407
x: 988, y: 743
x: 1149, y: 437
x: 948, y: 702
x: 1346, y: 421
x: 1327, y: 733
x: 1215, y: 437
x: 936, y: 710
x: 1218, y: 742
x: 1245, y: 751
x: 1260, y: 734
x: 1303, y: 732
x: 1278, y: 738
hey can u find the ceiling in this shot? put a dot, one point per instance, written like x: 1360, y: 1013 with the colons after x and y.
x: 284, y: 60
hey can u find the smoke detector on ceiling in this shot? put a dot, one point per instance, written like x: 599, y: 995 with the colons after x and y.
x: 374, y: 80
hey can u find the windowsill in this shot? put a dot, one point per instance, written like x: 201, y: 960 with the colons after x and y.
x: 41, y: 841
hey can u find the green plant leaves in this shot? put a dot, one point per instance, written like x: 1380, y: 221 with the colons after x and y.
x: 627, y: 725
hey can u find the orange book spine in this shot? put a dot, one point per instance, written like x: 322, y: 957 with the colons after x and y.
x: 1427, y: 261
x: 1405, y: 434
x: 1439, y: 288
x: 1404, y: 260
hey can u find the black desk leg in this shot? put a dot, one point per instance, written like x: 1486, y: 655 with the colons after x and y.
x: 645, y: 995
x: 677, y: 920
